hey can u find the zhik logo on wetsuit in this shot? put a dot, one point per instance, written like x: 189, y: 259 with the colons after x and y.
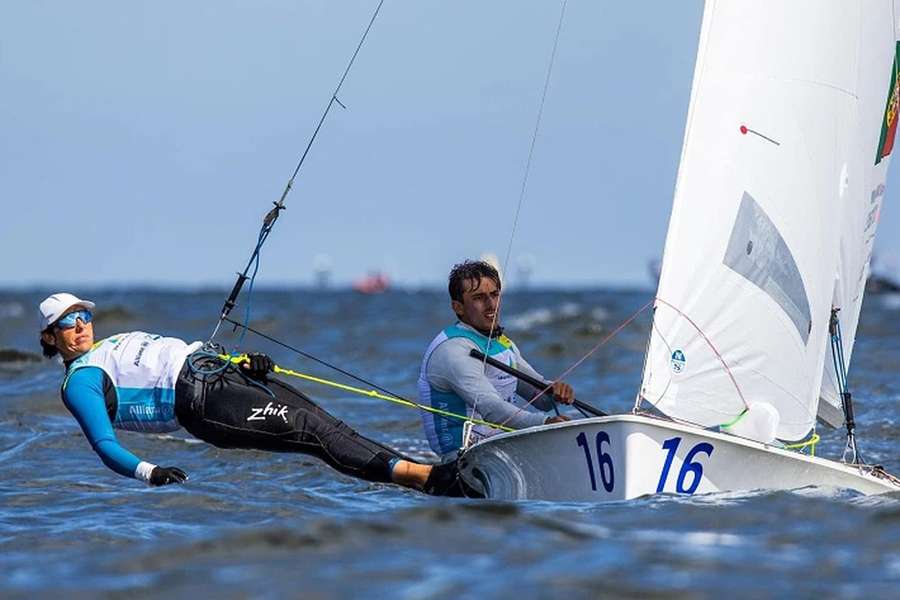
x: 261, y: 414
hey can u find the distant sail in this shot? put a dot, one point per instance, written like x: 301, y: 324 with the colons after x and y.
x: 373, y: 283
x: 777, y: 139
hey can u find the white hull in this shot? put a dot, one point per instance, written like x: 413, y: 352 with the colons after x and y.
x: 626, y: 456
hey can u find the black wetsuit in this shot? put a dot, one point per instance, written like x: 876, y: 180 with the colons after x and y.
x: 230, y: 410
x: 149, y: 383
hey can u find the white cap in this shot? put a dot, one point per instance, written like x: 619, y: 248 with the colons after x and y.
x: 53, y: 307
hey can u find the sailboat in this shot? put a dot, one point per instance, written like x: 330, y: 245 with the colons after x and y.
x: 789, y: 134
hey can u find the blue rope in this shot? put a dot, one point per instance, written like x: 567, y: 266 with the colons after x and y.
x: 837, y: 357
x: 206, y: 370
x: 263, y: 234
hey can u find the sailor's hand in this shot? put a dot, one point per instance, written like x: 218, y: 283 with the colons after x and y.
x: 167, y: 475
x: 257, y: 365
x: 563, y: 392
x: 556, y: 419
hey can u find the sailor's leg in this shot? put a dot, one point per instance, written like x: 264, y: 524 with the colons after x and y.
x: 331, y: 439
x: 235, y: 412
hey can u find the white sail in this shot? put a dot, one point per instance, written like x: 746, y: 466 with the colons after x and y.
x: 771, y: 148
x: 878, y: 92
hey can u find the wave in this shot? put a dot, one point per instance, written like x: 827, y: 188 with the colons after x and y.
x: 566, y: 312
x: 13, y: 358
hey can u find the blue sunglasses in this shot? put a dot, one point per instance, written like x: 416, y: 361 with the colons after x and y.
x: 68, y: 321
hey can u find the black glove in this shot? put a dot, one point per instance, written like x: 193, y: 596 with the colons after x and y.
x: 257, y: 365
x: 167, y: 475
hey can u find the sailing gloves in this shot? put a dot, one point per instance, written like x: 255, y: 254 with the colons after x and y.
x: 167, y: 475
x: 257, y: 366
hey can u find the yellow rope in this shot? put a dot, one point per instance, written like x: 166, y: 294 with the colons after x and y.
x: 371, y: 393
x: 810, y: 443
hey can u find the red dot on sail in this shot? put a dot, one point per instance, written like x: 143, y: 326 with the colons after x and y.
x: 744, y: 129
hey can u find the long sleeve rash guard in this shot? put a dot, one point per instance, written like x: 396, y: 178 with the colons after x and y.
x: 452, y: 368
x: 84, y: 397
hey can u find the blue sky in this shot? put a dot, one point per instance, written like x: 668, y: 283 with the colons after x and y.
x: 142, y: 142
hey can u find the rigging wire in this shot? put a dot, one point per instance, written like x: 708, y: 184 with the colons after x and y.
x: 851, y: 451
x: 393, y: 396
x: 311, y: 357
x: 272, y: 215
x: 334, y: 99
x: 534, y: 135
x: 524, y: 187
x: 587, y: 355
x: 396, y: 399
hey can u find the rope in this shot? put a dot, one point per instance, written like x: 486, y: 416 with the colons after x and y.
x: 810, y: 443
x: 620, y: 328
x: 734, y: 420
x: 578, y: 363
x: 712, y: 347
x: 236, y: 359
x: 878, y: 471
x: 263, y: 234
x: 324, y: 363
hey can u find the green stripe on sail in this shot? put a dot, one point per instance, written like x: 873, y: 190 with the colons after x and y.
x: 889, y: 123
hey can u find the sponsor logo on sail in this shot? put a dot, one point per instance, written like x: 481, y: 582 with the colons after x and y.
x: 889, y: 124
x: 678, y: 361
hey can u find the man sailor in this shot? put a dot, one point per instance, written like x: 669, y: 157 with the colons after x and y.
x: 451, y: 379
x: 149, y: 383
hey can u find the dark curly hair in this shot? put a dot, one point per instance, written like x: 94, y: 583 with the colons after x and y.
x: 49, y: 350
x: 473, y: 270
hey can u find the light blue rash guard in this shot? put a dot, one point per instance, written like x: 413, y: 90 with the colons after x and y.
x: 126, y: 381
x: 451, y: 380
x: 84, y: 397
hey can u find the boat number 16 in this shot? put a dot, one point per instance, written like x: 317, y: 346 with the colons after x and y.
x: 689, y: 475
x: 604, y: 461
x: 688, y: 467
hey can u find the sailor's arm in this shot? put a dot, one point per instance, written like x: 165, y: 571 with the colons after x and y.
x: 451, y: 368
x: 545, y: 402
x: 560, y: 392
x: 84, y: 398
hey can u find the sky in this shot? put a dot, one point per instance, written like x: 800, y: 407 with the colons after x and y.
x: 142, y: 142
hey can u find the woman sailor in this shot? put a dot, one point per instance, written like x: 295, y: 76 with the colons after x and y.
x: 144, y: 382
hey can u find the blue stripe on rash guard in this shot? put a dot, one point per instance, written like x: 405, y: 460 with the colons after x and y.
x: 83, y: 397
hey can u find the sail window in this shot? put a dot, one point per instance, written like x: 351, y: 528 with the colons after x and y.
x: 757, y: 252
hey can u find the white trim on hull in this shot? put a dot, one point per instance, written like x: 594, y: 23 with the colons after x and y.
x: 626, y: 456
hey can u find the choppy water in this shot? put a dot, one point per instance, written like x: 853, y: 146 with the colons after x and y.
x: 256, y: 524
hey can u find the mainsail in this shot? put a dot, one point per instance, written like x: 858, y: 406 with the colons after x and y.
x: 778, y: 155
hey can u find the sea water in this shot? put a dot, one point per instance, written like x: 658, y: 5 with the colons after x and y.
x: 255, y: 524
